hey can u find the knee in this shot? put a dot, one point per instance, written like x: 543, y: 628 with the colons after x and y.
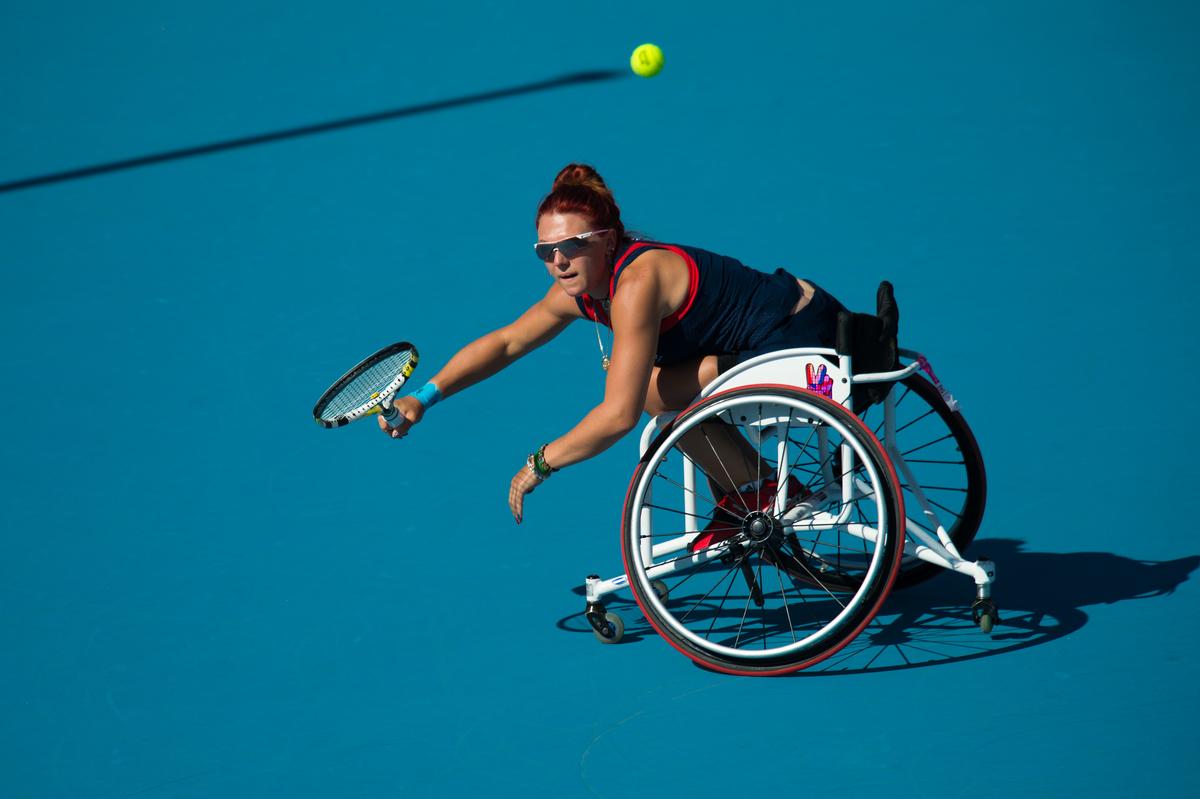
x: 654, y: 401
x: 655, y: 404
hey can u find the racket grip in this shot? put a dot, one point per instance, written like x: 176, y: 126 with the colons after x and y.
x: 390, y: 414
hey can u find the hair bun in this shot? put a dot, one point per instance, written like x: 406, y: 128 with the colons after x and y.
x: 580, y: 175
x: 579, y: 189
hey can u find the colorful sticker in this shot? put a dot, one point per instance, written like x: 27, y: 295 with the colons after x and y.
x: 947, y: 397
x: 818, y: 381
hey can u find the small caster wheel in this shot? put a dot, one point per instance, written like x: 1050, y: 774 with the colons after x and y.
x: 660, y: 588
x: 983, y: 611
x: 611, y: 631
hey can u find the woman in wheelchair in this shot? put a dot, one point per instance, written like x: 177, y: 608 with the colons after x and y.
x: 801, y: 532
x: 679, y: 316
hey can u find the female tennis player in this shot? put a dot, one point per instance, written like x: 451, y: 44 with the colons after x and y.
x: 679, y: 316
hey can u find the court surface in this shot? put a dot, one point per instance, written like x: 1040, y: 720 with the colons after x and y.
x: 206, y: 595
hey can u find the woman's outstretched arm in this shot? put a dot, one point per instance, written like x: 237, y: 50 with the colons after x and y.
x: 490, y: 353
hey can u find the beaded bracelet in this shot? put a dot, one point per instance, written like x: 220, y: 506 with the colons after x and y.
x: 532, y: 467
x: 540, y: 467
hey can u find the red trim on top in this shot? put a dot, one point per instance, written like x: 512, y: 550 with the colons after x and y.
x: 693, y: 287
x: 594, y: 311
x: 620, y: 264
x: 668, y: 322
x: 589, y: 308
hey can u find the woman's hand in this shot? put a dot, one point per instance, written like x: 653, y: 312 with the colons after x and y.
x: 410, y: 409
x: 523, y: 483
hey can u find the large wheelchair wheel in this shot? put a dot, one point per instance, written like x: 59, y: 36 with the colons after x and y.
x: 943, y: 455
x: 748, y: 587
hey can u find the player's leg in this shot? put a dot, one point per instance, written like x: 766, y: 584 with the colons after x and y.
x: 717, y: 447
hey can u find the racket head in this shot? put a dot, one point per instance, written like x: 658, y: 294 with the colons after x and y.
x: 360, y: 391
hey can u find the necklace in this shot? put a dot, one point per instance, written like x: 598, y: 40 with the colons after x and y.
x: 604, y: 361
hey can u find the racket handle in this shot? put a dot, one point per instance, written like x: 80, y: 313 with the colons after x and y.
x: 389, y: 413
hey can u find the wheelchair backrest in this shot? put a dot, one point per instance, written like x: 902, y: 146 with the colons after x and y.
x: 872, y: 342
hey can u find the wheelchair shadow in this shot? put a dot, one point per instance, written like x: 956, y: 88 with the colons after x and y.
x: 1041, y: 597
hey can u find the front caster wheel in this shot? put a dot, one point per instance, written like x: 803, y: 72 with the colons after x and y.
x: 610, y: 630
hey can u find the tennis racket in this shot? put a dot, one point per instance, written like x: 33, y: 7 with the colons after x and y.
x: 368, y: 388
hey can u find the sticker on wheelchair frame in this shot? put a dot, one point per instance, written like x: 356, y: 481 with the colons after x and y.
x: 947, y: 397
x: 819, y: 381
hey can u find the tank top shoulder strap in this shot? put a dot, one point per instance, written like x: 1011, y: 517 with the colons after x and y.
x: 637, y: 248
x: 593, y: 310
x: 586, y: 306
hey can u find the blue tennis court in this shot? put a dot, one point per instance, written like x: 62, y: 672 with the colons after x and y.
x: 208, y: 214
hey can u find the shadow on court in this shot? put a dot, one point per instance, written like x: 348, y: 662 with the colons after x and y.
x: 1041, y: 597
x: 572, y: 79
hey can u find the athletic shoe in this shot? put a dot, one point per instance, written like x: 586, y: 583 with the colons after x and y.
x: 733, y: 507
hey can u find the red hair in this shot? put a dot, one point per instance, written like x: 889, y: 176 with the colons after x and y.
x: 579, y: 189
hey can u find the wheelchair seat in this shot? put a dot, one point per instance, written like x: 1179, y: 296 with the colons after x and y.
x: 872, y: 343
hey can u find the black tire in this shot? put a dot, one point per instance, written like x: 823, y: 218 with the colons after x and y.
x: 820, y: 618
x: 959, y: 489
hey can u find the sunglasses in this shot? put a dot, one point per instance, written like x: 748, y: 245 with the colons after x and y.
x: 569, y: 247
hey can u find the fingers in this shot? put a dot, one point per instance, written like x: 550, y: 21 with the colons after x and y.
x: 516, y: 497
x: 399, y: 431
x: 522, y: 483
x: 516, y: 502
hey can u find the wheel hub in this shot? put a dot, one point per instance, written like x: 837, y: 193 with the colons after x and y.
x: 759, y: 527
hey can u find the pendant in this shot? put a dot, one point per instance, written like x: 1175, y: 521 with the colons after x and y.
x: 604, y: 362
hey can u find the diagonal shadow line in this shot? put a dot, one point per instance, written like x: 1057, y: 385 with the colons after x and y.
x: 593, y: 76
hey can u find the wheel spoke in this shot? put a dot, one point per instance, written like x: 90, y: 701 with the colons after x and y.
x: 732, y: 482
x: 911, y: 422
x: 783, y: 594
x: 732, y: 578
x: 936, y: 488
x: 906, y: 453
x: 678, y: 533
x: 674, y: 510
x: 681, y: 486
x: 719, y: 546
x: 762, y: 610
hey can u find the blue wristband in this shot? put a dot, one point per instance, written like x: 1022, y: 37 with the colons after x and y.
x: 428, y: 395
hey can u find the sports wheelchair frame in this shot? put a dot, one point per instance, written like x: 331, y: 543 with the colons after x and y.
x: 864, y: 481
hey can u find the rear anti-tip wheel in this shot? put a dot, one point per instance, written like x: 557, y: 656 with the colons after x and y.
x: 984, y: 612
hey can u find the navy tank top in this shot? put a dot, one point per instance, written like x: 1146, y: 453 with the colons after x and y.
x: 729, y: 306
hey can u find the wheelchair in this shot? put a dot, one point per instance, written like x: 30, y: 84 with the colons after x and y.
x: 866, y: 478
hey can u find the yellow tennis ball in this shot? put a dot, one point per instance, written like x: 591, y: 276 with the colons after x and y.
x: 647, y: 60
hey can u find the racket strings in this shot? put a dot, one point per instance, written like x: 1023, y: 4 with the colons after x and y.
x: 360, y: 390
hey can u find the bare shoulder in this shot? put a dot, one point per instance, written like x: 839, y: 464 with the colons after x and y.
x: 656, y: 264
x: 658, y: 276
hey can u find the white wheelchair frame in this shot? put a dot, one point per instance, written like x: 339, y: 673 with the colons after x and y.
x: 782, y: 368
